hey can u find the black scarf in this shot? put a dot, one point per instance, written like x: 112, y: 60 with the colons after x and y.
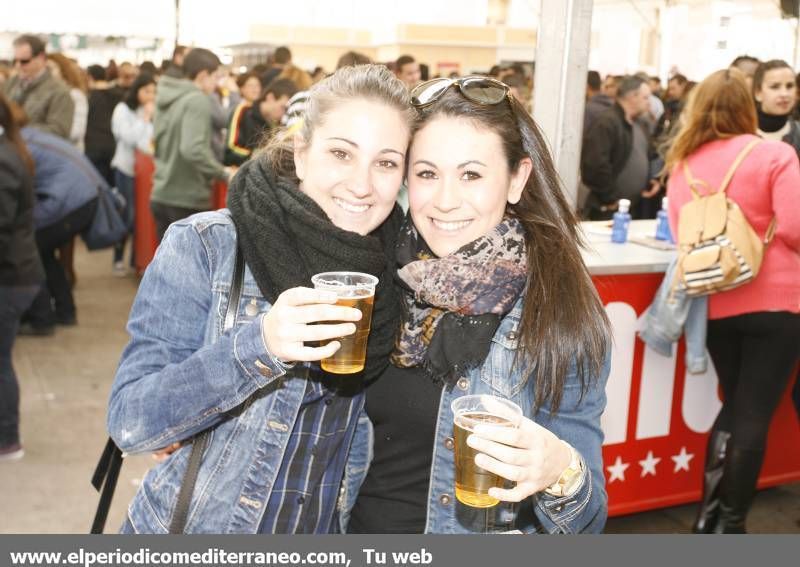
x: 453, y: 305
x: 286, y: 238
x: 770, y: 122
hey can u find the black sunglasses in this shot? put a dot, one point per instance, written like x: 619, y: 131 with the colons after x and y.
x: 476, y: 88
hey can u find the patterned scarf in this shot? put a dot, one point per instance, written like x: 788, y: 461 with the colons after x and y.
x: 454, y: 305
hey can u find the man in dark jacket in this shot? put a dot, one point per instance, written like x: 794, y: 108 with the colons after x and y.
x: 44, y: 98
x: 185, y: 163
x: 615, y: 156
x: 597, y: 102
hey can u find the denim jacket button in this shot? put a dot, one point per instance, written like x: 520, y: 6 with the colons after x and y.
x: 511, y: 335
x: 250, y: 502
x: 444, y: 499
x: 463, y: 383
x: 252, y: 309
x: 449, y: 443
x: 277, y: 426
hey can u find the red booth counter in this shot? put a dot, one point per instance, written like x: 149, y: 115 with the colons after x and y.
x: 658, y: 415
x: 145, y: 227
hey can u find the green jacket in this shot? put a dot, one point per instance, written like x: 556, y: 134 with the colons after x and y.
x: 185, y: 164
x: 46, y: 101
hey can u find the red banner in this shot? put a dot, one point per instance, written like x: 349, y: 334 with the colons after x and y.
x: 658, y: 415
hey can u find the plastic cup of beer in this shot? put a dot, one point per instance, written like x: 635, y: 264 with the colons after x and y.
x: 354, y: 289
x: 473, y: 482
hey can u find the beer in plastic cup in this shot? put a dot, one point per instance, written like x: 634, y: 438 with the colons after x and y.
x: 473, y: 482
x: 354, y: 290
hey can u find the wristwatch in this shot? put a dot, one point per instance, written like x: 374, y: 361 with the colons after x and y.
x: 570, y: 479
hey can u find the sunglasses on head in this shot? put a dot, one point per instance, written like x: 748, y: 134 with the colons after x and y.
x: 478, y: 89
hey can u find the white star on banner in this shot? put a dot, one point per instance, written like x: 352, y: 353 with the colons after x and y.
x: 617, y: 470
x: 682, y: 460
x: 649, y: 464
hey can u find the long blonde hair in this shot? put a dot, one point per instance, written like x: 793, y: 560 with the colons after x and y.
x: 718, y: 108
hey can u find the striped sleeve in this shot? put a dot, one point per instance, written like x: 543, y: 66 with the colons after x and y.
x: 234, y: 131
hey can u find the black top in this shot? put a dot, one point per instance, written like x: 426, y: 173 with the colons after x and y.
x: 19, y: 258
x: 403, y: 405
x: 99, y: 141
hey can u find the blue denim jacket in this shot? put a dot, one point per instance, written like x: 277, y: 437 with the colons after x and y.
x: 180, y: 375
x: 669, y: 317
x: 577, y: 422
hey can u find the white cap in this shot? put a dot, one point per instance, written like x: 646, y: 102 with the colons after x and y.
x: 624, y: 205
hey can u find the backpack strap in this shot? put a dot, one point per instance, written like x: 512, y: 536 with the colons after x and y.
x: 770, y: 234
x: 735, y: 165
x: 693, y: 182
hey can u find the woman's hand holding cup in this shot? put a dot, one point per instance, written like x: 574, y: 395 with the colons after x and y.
x: 529, y: 455
x: 292, y: 322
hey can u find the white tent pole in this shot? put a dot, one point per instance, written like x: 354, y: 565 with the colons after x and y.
x: 562, y: 58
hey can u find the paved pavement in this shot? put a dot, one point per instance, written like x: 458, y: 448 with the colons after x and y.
x: 65, y: 381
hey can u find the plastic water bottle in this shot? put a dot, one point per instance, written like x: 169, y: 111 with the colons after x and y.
x: 662, y: 227
x: 622, y: 220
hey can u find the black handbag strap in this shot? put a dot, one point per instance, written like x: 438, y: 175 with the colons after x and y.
x: 106, y: 473
x: 181, y: 513
x: 104, y: 480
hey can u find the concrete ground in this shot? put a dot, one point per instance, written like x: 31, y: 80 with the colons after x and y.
x: 65, y: 381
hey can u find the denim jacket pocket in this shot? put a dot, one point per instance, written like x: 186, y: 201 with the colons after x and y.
x: 502, y: 371
x: 251, y: 304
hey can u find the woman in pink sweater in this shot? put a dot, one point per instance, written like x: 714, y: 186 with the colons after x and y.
x: 754, y: 330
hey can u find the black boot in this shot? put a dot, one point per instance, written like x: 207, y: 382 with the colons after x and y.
x: 715, y: 462
x: 737, y: 489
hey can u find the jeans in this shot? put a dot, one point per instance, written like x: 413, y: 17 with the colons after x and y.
x: 126, y: 186
x: 165, y: 215
x: 57, y: 290
x: 14, y: 300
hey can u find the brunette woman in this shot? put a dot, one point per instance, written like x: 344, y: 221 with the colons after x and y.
x: 497, y: 300
x: 21, y: 272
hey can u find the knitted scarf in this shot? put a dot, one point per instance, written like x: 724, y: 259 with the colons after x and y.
x: 286, y: 238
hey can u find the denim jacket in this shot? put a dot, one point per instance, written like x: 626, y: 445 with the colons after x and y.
x: 577, y: 422
x: 668, y: 317
x: 180, y: 375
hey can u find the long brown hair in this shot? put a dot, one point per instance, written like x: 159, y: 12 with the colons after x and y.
x: 564, y: 326
x: 718, y: 108
x: 71, y: 73
x: 11, y: 117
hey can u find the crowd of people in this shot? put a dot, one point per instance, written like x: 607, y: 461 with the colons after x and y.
x: 630, y: 122
x: 638, y: 144
x: 481, y: 290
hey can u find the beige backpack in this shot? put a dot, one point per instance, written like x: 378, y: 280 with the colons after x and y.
x: 718, y: 249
